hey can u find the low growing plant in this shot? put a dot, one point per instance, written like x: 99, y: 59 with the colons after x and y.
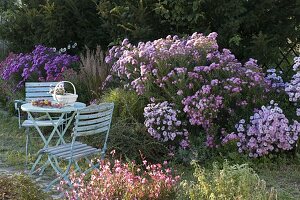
x: 226, y: 182
x: 128, y: 106
x: 20, y: 187
x: 124, y: 180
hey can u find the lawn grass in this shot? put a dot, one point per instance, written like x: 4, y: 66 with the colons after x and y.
x: 12, y: 143
x: 284, y: 176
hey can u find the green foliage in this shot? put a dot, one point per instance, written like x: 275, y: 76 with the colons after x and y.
x: 8, y: 95
x: 53, y: 23
x: 227, y: 182
x: 128, y: 105
x: 128, y: 135
x: 20, y: 187
x: 259, y: 26
x: 132, y: 19
x: 132, y: 141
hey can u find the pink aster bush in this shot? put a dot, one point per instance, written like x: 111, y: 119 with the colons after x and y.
x: 268, y: 131
x: 208, y: 88
x: 120, y: 180
x: 43, y: 63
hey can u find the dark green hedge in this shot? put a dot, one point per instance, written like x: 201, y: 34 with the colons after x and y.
x: 253, y: 28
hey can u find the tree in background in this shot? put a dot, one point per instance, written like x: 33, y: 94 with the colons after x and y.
x: 135, y: 20
x: 256, y: 28
x: 53, y: 23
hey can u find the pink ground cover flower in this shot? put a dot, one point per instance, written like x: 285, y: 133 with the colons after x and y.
x: 124, y: 180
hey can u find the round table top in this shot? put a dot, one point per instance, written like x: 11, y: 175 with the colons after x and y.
x: 28, y: 107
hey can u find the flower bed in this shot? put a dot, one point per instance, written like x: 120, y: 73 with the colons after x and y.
x: 191, y: 83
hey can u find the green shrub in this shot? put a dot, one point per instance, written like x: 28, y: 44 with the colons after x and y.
x: 20, y: 187
x: 128, y: 135
x: 8, y: 95
x: 240, y: 24
x: 228, y: 182
x: 128, y: 105
x: 132, y: 141
x: 53, y: 23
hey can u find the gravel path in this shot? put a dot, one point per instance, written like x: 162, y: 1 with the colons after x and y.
x: 41, y: 181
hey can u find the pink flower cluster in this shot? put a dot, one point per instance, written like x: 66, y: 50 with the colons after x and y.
x: 268, y: 131
x: 204, y: 83
x: 136, y: 63
x: 162, y: 123
x: 119, y: 180
x: 202, y: 109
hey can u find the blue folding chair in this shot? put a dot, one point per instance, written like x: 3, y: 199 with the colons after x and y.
x: 34, y: 91
x: 94, y: 119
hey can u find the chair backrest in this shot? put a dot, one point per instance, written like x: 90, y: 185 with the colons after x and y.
x: 93, y: 119
x: 38, y: 90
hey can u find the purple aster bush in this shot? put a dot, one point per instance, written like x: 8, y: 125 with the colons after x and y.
x: 293, y: 87
x: 275, y: 79
x: 43, y: 64
x: 162, y: 123
x: 209, y: 87
x: 268, y: 131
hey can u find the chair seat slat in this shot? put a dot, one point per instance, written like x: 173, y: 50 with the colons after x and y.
x: 63, y: 147
x: 83, y: 154
x: 65, y: 153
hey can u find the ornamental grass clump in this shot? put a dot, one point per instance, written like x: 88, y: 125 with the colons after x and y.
x: 43, y: 64
x: 124, y: 180
x: 190, y: 79
x: 268, y: 131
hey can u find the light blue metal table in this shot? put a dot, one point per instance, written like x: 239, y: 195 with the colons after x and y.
x: 62, y: 119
